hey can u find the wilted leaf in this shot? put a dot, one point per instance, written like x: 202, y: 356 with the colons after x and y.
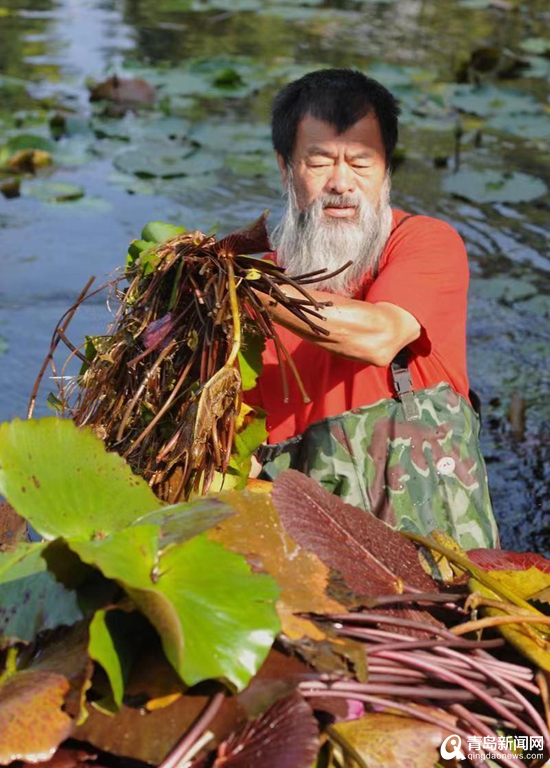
x: 286, y: 734
x: 63, y: 481
x: 384, y: 740
x: 37, y: 703
x: 257, y: 532
x: 372, y: 558
x: 202, y: 599
x: 129, y: 91
x: 31, y: 600
x: 250, y: 240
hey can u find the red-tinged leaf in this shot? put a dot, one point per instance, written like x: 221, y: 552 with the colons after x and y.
x: 251, y: 239
x: 503, y: 560
x: 285, y: 736
x: 131, y: 90
x: 159, y: 332
x: 32, y: 721
x: 372, y: 558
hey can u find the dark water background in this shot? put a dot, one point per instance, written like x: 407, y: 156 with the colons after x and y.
x: 217, y: 64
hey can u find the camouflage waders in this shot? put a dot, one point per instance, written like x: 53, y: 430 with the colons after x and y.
x: 414, y: 462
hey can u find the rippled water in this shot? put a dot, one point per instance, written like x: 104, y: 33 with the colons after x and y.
x: 49, y: 49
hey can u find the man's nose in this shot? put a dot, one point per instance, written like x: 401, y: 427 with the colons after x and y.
x: 341, y: 180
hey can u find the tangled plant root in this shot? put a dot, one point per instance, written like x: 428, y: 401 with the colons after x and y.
x: 163, y: 388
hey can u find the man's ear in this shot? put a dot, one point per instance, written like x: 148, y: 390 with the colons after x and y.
x: 283, y: 170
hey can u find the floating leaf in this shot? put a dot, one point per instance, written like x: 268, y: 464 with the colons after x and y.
x: 63, y: 481
x: 31, y: 599
x: 53, y: 191
x: 527, y: 126
x: 490, y: 100
x: 129, y: 91
x: 536, y: 45
x: 166, y: 160
x: 286, y: 735
x: 488, y: 186
x: 181, y: 522
x: 382, y: 740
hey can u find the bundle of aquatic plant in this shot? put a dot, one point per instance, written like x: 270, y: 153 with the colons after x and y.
x: 163, y: 387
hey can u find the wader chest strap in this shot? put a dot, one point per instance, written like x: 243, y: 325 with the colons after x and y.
x: 402, y: 383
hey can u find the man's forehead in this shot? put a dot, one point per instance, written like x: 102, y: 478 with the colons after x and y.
x: 315, y: 136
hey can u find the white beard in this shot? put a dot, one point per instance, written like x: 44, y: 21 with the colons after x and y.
x: 308, y: 241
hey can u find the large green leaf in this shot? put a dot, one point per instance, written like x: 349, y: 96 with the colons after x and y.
x: 31, y: 600
x: 216, y: 618
x: 63, y: 481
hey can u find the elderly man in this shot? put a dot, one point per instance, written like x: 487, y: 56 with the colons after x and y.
x: 387, y: 422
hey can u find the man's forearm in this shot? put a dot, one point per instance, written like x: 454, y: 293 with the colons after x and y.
x: 369, y: 333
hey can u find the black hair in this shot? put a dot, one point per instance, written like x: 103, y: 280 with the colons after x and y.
x: 339, y: 97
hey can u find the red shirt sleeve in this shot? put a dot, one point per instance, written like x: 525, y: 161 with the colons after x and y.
x: 425, y: 272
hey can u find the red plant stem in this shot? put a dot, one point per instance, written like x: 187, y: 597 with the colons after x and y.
x: 506, y: 686
x: 444, y: 674
x: 196, y: 730
x: 433, y: 629
x: 482, y: 729
x: 410, y: 691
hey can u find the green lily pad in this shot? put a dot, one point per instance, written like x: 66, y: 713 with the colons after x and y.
x: 533, y: 127
x: 488, y: 186
x: 539, y: 46
x: 31, y: 600
x: 53, y: 191
x: 238, y: 138
x: 4, y: 346
x: 203, y: 600
x: 166, y: 160
x: 64, y: 482
x: 490, y: 100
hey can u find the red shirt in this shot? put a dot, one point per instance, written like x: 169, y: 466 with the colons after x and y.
x: 424, y: 270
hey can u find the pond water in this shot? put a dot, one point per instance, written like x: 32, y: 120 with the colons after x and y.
x: 472, y: 77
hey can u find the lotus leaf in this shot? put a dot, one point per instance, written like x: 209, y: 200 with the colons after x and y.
x: 166, y: 160
x: 63, y: 481
x: 53, y: 191
x: 489, y: 186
